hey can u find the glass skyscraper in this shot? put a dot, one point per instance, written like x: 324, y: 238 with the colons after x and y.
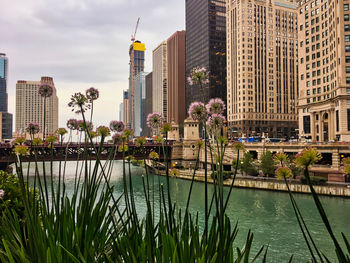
x: 140, y: 103
x: 5, y: 117
x: 206, y: 46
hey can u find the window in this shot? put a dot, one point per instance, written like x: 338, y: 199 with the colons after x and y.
x: 347, y: 38
x: 348, y: 110
x: 346, y: 17
x: 347, y: 69
x: 308, y: 92
x: 306, y: 123
x: 347, y: 80
x: 346, y: 27
x: 348, y: 90
x: 347, y: 59
x: 346, y: 7
x: 337, y: 120
x: 347, y: 48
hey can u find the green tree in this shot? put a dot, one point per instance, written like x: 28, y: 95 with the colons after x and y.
x: 267, y: 163
x: 247, y: 164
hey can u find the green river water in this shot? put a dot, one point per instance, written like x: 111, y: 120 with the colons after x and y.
x: 268, y: 214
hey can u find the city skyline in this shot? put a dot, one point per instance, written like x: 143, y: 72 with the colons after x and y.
x: 90, y: 49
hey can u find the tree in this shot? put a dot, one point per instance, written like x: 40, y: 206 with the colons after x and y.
x: 247, y: 164
x: 267, y: 163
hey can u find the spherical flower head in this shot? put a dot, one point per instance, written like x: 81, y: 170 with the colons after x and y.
x: 283, y: 172
x: 346, y: 161
x: 93, y: 134
x: 21, y: 150
x: 79, y: 103
x: 215, y: 106
x: 198, y: 76
x: 72, y: 124
x: 122, y: 148
x: 37, y: 141
x: 281, y: 157
x: 2, y: 193
x: 200, y: 143
x: 103, y: 131
x: 347, y: 169
x: 159, y: 139
x: 140, y: 141
x: 153, y: 156
x: 216, y: 121
x: 51, y: 139
x: 117, y: 126
x: 222, y: 140
x: 117, y: 138
x: 307, y: 157
x: 174, y: 172
x: 127, y: 133
x: 33, y: 128
x: 92, y: 94
x: 129, y: 158
x: 19, y: 141
x: 166, y: 128
x: 197, y: 111
x: 154, y: 120
x: 87, y: 125
x: 61, y: 131
x: 45, y: 90
x: 238, y: 146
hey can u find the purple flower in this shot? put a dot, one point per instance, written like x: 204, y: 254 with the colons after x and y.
x: 33, y: 128
x: 79, y: 103
x: 92, y: 94
x: 215, y: 106
x: 117, y: 138
x: 117, y: 126
x: 216, y: 121
x: 197, y: 111
x: 85, y: 125
x: 198, y: 76
x: 72, y: 124
x: 154, y: 120
x: 2, y: 193
x: 45, y: 90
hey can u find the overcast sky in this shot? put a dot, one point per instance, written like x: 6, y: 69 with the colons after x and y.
x: 82, y: 43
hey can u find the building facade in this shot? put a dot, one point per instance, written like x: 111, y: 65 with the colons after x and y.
x: 176, y: 66
x: 262, y: 71
x: 30, y: 106
x: 160, y: 79
x: 148, y: 103
x: 126, y: 106
x: 206, y: 47
x: 140, y: 97
x: 324, y: 65
x: 137, y: 55
x: 121, y: 112
x: 5, y: 116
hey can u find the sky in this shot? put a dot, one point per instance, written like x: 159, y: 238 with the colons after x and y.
x: 82, y: 44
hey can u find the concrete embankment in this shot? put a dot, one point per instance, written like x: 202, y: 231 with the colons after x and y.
x: 270, y: 184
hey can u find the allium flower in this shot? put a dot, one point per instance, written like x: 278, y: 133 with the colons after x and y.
x: 199, y: 143
x: 154, y: 120
x: 21, y: 150
x: 37, y: 141
x: 92, y: 94
x: 33, y: 128
x: 174, y: 172
x: 215, y: 106
x: 85, y: 125
x: 197, y: 111
x: 128, y: 133
x: 216, y: 121
x: 117, y: 126
x: 346, y: 161
x: 93, y: 134
x: 198, y: 76
x: 72, y: 124
x: 61, y: 131
x: 153, y: 156
x: 103, y: 131
x: 45, y: 90
x: 140, y: 141
x: 79, y: 103
x: 159, y: 139
x: 166, y: 128
x: 238, y: 146
x: 2, y: 193
x: 281, y: 158
x: 117, y: 138
x: 19, y: 141
x: 307, y: 157
x: 282, y: 172
x: 122, y: 148
x: 52, y: 139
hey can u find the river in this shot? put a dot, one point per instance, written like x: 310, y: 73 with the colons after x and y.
x: 268, y: 214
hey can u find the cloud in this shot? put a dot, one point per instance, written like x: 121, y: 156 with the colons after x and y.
x: 82, y: 43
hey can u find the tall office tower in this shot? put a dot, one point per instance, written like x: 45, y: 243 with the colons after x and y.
x: 159, y: 79
x: 148, y: 103
x: 121, y: 112
x: 206, y: 47
x: 176, y: 49
x: 262, y: 72
x: 140, y: 97
x: 126, y: 107
x: 5, y: 117
x: 30, y: 106
x: 137, y: 55
x: 324, y: 70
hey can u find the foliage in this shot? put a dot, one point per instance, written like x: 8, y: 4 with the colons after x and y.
x: 225, y: 175
x: 247, y: 164
x: 267, y: 163
x: 315, y: 180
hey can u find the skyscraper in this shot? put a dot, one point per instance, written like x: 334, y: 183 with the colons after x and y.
x: 159, y: 79
x: 206, y: 46
x: 148, y: 102
x: 126, y: 106
x: 324, y: 70
x: 140, y: 97
x: 137, y: 55
x: 121, y: 112
x: 176, y: 67
x: 5, y: 117
x: 30, y: 105
x: 262, y: 71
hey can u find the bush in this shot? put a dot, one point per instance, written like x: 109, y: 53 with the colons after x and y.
x: 247, y: 165
x: 267, y: 164
x: 315, y: 180
x: 225, y: 174
x: 137, y: 163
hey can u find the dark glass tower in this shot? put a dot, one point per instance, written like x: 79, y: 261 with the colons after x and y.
x: 6, y: 118
x: 206, y: 46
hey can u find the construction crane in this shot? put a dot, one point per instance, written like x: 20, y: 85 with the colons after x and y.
x: 133, y: 74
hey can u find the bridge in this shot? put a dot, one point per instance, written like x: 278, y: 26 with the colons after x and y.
x: 76, y: 151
